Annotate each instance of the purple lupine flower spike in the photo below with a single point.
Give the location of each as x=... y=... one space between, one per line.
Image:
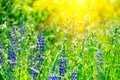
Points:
x=50 y=77
x=11 y=57
x=11 y=53
x=40 y=43
x=99 y=63
x=74 y=76
x=53 y=77
x=38 y=58
x=34 y=74
x=1 y=59
x=21 y=27
x=62 y=63
x=62 y=66
x=13 y=38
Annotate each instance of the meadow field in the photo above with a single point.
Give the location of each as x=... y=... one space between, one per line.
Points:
x=59 y=39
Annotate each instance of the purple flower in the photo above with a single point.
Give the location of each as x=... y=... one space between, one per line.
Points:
x=21 y=27
x=34 y=74
x=99 y=63
x=1 y=59
x=52 y=77
x=11 y=57
x=13 y=38
x=38 y=57
x=40 y=43
x=62 y=63
x=74 y=76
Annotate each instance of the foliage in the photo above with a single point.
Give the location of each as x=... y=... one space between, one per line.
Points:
x=59 y=39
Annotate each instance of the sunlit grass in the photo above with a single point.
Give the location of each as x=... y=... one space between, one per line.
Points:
x=86 y=31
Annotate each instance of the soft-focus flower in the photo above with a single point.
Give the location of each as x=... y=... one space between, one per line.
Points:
x=53 y=77
x=38 y=57
x=13 y=39
x=21 y=27
x=40 y=43
x=74 y=76
x=99 y=63
x=34 y=73
x=1 y=59
x=11 y=53
x=62 y=63
x=62 y=66
x=11 y=57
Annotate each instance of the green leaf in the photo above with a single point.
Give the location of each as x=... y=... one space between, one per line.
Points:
x=1 y=78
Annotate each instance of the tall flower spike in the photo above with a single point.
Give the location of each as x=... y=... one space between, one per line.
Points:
x=11 y=57
x=13 y=38
x=34 y=74
x=62 y=63
x=74 y=76
x=40 y=43
x=1 y=59
x=38 y=59
x=21 y=27
x=53 y=77
x=99 y=63
x=11 y=53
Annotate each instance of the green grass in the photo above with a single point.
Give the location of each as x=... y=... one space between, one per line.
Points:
x=80 y=48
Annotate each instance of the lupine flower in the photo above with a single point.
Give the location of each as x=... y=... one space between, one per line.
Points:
x=99 y=63
x=13 y=38
x=21 y=27
x=74 y=76
x=11 y=53
x=11 y=57
x=40 y=43
x=1 y=59
x=52 y=77
x=62 y=64
x=38 y=59
x=34 y=73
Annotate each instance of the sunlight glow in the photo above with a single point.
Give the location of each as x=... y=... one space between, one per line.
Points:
x=80 y=1
x=82 y=12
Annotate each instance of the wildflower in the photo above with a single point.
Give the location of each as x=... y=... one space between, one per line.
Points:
x=21 y=27
x=11 y=53
x=40 y=43
x=52 y=77
x=74 y=76
x=11 y=57
x=13 y=38
x=62 y=63
x=1 y=59
x=99 y=63
x=38 y=57
x=34 y=73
